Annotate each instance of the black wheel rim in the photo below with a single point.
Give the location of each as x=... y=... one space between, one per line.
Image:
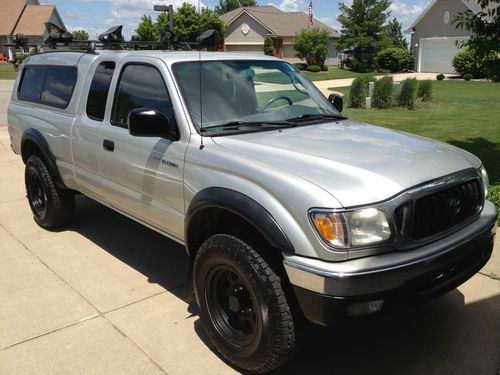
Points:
x=232 y=305
x=37 y=196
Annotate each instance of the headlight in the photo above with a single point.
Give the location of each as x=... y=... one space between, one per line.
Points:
x=352 y=228
x=486 y=180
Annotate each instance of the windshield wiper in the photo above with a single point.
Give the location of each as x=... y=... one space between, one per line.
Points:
x=238 y=125
x=315 y=116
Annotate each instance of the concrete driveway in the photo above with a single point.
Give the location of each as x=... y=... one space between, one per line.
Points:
x=104 y=296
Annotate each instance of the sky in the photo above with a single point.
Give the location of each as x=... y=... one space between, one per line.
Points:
x=96 y=16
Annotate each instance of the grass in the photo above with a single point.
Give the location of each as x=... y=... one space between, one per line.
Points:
x=333 y=73
x=7 y=71
x=337 y=73
x=464 y=114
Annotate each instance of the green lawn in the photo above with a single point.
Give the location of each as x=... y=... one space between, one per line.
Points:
x=464 y=114
x=336 y=73
x=7 y=71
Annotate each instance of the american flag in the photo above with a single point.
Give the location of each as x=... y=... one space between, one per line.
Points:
x=311 y=15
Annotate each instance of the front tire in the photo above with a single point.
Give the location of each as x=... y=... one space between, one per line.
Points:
x=52 y=207
x=242 y=305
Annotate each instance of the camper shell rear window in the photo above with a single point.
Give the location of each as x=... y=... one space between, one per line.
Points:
x=50 y=85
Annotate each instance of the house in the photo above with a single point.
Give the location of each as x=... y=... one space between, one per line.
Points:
x=26 y=17
x=434 y=37
x=248 y=27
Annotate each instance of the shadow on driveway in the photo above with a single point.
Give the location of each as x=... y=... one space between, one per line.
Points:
x=441 y=336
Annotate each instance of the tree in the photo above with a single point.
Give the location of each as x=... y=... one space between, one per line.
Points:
x=485 y=39
x=269 y=46
x=229 y=5
x=362 y=32
x=394 y=32
x=146 y=30
x=312 y=45
x=80 y=35
x=188 y=24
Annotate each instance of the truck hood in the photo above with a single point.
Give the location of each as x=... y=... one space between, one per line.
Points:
x=357 y=163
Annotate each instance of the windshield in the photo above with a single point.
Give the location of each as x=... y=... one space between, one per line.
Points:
x=249 y=94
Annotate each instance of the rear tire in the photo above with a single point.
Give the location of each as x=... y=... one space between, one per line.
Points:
x=242 y=305
x=52 y=207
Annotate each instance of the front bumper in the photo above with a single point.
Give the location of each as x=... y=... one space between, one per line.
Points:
x=325 y=290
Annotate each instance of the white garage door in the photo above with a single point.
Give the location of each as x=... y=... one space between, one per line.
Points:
x=436 y=55
x=253 y=49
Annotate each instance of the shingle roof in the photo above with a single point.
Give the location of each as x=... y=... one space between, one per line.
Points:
x=278 y=22
x=10 y=11
x=33 y=19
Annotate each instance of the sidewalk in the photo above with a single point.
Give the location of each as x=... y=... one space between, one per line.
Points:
x=346 y=82
x=104 y=296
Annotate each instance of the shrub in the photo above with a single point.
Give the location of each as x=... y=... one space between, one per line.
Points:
x=312 y=45
x=407 y=96
x=324 y=68
x=425 y=90
x=268 y=46
x=358 y=93
x=440 y=77
x=494 y=195
x=468 y=62
x=468 y=77
x=395 y=60
x=300 y=66
x=382 y=92
x=314 y=68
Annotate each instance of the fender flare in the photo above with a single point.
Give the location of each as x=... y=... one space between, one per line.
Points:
x=39 y=140
x=243 y=206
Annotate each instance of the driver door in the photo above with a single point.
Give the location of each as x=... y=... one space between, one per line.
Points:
x=143 y=176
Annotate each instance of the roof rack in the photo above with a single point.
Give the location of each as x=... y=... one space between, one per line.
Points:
x=112 y=39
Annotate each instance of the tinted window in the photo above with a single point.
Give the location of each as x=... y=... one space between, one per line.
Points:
x=51 y=85
x=98 y=93
x=140 y=86
x=59 y=84
x=32 y=83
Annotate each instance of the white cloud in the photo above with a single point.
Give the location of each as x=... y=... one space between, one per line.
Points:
x=292 y=5
x=405 y=14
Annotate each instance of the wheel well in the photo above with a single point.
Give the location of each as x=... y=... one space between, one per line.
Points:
x=29 y=148
x=212 y=220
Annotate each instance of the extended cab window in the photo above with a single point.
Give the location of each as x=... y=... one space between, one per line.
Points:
x=99 y=88
x=140 y=86
x=51 y=85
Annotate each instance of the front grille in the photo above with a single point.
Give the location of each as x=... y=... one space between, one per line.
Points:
x=442 y=210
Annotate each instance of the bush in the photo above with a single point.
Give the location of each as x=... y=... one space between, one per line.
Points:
x=312 y=45
x=324 y=68
x=382 y=93
x=300 y=66
x=395 y=60
x=314 y=68
x=425 y=90
x=268 y=46
x=440 y=77
x=358 y=93
x=468 y=77
x=494 y=195
x=408 y=94
x=468 y=62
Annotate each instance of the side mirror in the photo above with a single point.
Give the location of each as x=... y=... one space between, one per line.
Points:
x=146 y=122
x=337 y=102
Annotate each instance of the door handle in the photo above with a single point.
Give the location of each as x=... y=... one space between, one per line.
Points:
x=108 y=145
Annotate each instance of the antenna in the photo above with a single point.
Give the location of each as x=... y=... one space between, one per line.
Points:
x=202 y=146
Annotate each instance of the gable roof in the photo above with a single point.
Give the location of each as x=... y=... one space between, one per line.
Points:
x=278 y=23
x=472 y=5
x=33 y=19
x=11 y=9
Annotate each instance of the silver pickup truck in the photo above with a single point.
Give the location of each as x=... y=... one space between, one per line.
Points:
x=287 y=209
